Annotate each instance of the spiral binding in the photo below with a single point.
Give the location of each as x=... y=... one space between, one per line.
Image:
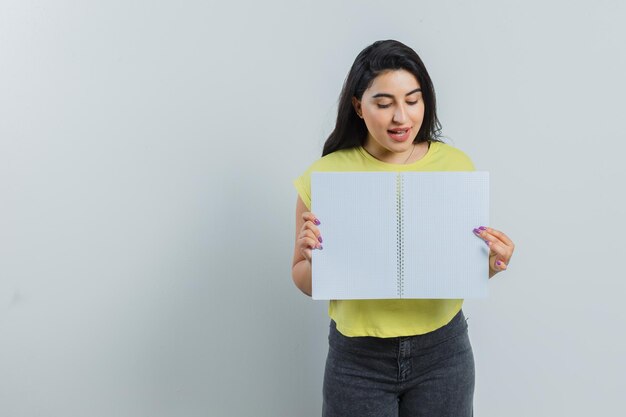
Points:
x=400 y=235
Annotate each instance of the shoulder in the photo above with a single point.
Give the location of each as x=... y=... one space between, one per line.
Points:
x=454 y=158
x=335 y=160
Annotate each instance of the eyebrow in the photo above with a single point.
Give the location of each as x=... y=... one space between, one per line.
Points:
x=390 y=96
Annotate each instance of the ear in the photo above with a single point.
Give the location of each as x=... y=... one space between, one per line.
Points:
x=357 y=106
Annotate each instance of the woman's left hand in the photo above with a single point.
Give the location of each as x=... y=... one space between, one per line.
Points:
x=500 y=248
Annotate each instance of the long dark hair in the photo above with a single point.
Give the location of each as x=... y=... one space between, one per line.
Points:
x=350 y=130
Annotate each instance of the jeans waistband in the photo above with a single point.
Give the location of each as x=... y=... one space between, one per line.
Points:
x=377 y=346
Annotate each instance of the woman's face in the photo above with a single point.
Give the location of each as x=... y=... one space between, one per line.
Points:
x=393 y=111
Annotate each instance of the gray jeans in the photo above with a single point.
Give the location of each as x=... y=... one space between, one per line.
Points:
x=429 y=375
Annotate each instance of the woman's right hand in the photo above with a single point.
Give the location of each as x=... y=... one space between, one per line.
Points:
x=309 y=237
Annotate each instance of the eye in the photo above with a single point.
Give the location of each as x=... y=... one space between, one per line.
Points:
x=384 y=106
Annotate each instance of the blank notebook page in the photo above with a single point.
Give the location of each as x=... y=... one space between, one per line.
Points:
x=358 y=219
x=443 y=257
x=400 y=234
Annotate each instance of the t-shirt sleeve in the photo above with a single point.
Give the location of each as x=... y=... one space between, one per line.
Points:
x=462 y=162
x=470 y=165
x=303 y=186
x=303 y=182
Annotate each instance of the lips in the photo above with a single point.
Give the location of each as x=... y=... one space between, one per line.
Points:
x=399 y=129
x=399 y=134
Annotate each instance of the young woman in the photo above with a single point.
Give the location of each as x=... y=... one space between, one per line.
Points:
x=392 y=357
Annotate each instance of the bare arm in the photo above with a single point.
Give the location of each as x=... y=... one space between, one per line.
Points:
x=307 y=238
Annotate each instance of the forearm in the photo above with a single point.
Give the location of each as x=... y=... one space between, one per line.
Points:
x=301 y=274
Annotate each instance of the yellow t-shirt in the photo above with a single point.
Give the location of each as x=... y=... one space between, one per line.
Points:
x=388 y=317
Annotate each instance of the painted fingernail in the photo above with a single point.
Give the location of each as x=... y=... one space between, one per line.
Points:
x=498 y=263
x=319 y=238
x=321 y=247
x=477 y=231
x=482 y=228
x=487 y=242
x=317 y=222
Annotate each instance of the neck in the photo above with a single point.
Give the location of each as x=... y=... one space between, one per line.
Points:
x=411 y=155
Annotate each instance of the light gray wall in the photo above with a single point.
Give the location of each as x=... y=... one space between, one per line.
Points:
x=147 y=212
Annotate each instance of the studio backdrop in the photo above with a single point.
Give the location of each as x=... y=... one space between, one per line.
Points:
x=147 y=212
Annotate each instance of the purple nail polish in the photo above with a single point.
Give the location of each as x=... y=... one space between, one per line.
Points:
x=317 y=222
x=482 y=228
x=320 y=239
x=477 y=231
x=498 y=263
x=487 y=242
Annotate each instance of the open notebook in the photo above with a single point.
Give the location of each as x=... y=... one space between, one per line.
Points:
x=400 y=234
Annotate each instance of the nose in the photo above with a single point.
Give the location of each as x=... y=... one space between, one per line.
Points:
x=400 y=115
